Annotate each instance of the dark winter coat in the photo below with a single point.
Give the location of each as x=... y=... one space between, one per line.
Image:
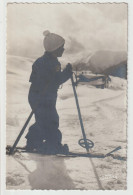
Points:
x=46 y=77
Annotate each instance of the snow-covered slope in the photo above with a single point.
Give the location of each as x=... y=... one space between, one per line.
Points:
x=104 y=117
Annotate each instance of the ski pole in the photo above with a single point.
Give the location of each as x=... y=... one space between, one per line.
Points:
x=85 y=143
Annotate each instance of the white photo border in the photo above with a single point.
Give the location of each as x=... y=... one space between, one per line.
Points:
x=3 y=101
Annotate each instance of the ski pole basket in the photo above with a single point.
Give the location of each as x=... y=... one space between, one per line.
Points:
x=89 y=143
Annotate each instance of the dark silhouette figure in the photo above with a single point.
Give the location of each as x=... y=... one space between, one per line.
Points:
x=46 y=77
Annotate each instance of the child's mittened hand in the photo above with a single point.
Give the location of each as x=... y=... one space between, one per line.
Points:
x=69 y=67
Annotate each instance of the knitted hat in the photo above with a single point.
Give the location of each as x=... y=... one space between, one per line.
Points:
x=52 y=41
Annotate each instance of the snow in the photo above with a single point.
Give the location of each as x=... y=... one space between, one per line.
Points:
x=104 y=117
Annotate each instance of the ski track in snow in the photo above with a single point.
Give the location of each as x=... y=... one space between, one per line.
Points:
x=104 y=117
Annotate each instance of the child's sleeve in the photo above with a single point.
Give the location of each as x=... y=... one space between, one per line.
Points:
x=63 y=76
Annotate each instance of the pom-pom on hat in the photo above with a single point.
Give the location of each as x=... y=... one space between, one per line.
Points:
x=52 y=41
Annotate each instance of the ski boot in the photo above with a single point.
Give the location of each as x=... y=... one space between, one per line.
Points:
x=62 y=149
x=53 y=149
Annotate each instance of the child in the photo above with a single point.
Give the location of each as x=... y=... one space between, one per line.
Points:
x=46 y=77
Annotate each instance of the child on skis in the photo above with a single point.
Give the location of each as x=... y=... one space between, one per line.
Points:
x=46 y=77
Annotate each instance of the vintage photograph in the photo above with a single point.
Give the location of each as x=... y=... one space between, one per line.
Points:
x=66 y=96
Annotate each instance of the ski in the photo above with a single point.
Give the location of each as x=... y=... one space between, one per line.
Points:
x=69 y=154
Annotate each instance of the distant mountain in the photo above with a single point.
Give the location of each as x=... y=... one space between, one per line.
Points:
x=105 y=62
x=104 y=59
x=119 y=70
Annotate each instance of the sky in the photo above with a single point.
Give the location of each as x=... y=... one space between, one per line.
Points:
x=85 y=27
